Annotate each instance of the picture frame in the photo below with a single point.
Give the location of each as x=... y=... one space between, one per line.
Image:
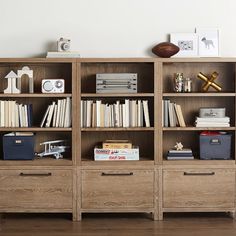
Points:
x=187 y=42
x=208 y=42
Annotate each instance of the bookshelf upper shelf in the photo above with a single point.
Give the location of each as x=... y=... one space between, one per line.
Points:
x=199 y=94
x=33 y=129
x=119 y=129
x=192 y=128
x=34 y=95
x=97 y=95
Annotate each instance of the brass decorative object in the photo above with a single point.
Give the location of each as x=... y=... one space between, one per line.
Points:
x=210 y=82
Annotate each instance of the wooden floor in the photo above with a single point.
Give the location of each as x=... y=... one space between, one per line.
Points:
x=117 y=225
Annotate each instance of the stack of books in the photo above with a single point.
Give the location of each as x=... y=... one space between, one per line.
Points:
x=116 y=150
x=172 y=114
x=58 y=114
x=130 y=113
x=212 y=122
x=63 y=54
x=184 y=154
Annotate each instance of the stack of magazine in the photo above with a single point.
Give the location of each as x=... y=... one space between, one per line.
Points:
x=184 y=154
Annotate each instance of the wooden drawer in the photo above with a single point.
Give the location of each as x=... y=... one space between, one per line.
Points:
x=198 y=188
x=35 y=189
x=117 y=189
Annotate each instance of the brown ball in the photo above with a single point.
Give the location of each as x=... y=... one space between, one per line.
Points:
x=165 y=49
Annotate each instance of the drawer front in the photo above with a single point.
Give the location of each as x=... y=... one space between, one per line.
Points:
x=117 y=189
x=198 y=188
x=35 y=189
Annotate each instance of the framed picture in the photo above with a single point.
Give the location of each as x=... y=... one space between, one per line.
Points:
x=208 y=42
x=187 y=42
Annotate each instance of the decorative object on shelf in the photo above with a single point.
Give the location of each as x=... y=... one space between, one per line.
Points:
x=183 y=154
x=26 y=71
x=63 y=45
x=212 y=117
x=116 y=83
x=187 y=85
x=208 y=41
x=215 y=145
x=179 y=146
x=187 y=43
x=210 y=81
x=11 y=83
x=53 y=148
x=165 y=49
x=120 y=144
x=53 y=86
x=178 y=82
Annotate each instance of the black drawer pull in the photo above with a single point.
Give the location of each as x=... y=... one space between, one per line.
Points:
x=117 y=174
x=36 y=174
x=207 y=173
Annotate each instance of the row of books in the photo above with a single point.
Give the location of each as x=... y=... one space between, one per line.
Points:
x=15 y=115
x=131 y=113
x=212 y=122
x=58 y=114
x=172 y=114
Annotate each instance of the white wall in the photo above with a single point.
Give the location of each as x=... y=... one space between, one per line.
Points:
x=109 y=28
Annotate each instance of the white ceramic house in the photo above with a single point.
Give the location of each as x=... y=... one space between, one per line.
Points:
x=11 y=88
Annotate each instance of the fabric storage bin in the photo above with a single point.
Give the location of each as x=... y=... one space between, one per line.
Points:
x=18 y=147
x=215 y=145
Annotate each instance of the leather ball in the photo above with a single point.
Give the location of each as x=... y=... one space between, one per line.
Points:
x=165 y=49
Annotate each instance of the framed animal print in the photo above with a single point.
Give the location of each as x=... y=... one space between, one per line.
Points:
x=208 y=42
x=187 y=43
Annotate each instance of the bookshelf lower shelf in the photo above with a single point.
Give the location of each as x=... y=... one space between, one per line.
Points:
x=193 y=128
x=198 y=162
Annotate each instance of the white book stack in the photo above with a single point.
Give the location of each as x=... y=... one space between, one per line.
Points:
x=130 y=113
x=58 y=114
x=212 y=122
x=63 y=54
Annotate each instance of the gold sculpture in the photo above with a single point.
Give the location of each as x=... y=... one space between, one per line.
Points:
x=210 y=82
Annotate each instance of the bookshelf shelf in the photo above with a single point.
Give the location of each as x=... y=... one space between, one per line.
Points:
x=196 y=128
x=35 y=95
x=34 y=129
x=117 y=129
x=198 y=162
x=118 y=95
x=211 y=94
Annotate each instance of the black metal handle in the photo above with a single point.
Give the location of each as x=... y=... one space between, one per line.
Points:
x=117 y=174
x=203 y=173
x=35 y=174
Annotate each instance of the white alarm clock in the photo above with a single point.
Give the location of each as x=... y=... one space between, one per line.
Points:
x=53 y=86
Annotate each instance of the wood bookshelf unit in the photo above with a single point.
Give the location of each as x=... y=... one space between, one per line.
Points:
x=78 y=184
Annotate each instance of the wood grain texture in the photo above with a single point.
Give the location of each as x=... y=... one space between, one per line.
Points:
x=117 y=189
x=35 y=189
x=193 y=188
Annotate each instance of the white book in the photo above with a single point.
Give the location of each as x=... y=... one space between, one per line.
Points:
x=146 y=113
x=89 y=113
x=62 y=109
x=171 y=115
x=9 y=113
x=58 y=112
x=139 y=113
x=94 y=117
x=26 y=116
x=133 y=113
x=112 y=116
x=63 y=54
x=117 y=118
x=50 y=115
x=81 y=113
x=69 y=122
x=102 y=115
x=44 y=117
x=20 y=115
x=13 y=114
x=2 y=113
x=213 y=125
x=54 y=116
x=123 y=116
x=23 y=115
x=120 y=115
x=17 y=115
x=63 y=112
x=107 y=115
x=166 y=113
x=215 y=119
x=98 y=112
x=127 y=115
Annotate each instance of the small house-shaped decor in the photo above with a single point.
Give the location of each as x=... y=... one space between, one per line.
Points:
x=11 y=87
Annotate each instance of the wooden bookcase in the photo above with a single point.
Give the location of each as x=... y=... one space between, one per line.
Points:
x=78 y=184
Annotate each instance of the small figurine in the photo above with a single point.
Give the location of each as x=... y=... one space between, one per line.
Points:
x=210 y=82
x=56 y=150
x=11 y=80
x=179 y=146
x=26 y=71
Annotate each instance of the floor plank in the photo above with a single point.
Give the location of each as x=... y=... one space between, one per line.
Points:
x=117 y=225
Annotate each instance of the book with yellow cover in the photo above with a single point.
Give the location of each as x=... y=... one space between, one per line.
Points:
x=119 y=144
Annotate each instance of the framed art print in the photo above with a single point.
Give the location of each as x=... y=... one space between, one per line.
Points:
x=187 y=43
x=208 y=42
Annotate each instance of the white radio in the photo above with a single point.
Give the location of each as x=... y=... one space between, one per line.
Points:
x=53 y=86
